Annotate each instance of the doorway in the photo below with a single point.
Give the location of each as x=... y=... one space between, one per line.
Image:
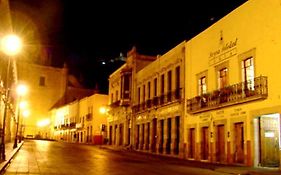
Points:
x=220 y=144
x=191 y=140
x=267 y=135
x=205 y=143
x=154 y=134
x=239 y=142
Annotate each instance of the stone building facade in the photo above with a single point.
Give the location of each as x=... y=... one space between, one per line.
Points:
x=218 y=93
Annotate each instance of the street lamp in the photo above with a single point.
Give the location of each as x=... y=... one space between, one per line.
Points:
x=25 y=114
x=21 y=91
x=10 y=45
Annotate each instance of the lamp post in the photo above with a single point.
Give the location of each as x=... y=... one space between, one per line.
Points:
x=25 y=114
x=21 y=91
x=10 y=45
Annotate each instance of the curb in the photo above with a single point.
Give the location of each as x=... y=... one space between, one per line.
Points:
x=9 y=157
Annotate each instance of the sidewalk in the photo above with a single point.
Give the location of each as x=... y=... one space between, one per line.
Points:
x=229 y=169
x=10 y=152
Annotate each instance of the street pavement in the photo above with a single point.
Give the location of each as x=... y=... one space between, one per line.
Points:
x=46 y=157
x=10 y=153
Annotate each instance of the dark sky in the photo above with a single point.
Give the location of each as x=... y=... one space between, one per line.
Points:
x=89 y=32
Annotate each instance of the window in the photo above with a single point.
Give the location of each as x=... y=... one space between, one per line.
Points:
x=139 y=95
x=178 y=77
x=202 y=85
x=155 y=87
x=169 y=95
x=116 y=95
x=162 y=84
x=111 y=98
x=202 y=81
x=248 y=72
x=222 y=71
x=246 y=61
x=143 y=93
x=177 y=94
x=222 y=80
x=148 y=90
x=125 y=88
x=169 y=81
x=42 y=80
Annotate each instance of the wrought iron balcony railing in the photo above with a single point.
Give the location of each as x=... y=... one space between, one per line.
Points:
x=162 y=100
x=115 y=104
x=235 y=94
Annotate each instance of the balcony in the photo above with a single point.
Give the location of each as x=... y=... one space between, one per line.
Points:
x=243 y=92
x=79 y=125
x=115 y=104
x=158 y=101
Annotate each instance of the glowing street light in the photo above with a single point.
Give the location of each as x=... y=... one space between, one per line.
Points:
x=43 y=123
x=21 y=91
x=103 y=110
x=11 y=45
x=25 y=114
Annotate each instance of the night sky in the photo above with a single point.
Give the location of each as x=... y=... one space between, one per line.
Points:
x=86 y=33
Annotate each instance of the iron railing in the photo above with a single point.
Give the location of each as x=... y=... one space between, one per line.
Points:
x=158 y=101
x=238 y=93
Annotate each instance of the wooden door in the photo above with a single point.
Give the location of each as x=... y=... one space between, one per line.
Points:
x=269 y=141
x=121 y=133
x=161 y=139
x=239 y=142
x=220 y=143
x=169 y=135
x=205 y=143
x=154 y=134
x=137 y=136
x=191 y=143
x=177 y=139
x=110 y=135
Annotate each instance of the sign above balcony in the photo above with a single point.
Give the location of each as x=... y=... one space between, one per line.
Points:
x=226 y=51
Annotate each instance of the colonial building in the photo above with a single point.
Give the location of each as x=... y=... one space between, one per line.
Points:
x=228 y=78
x=158 y=105
x=81 y=121
x=121 y=98
x=46 y=85
x=233 y=88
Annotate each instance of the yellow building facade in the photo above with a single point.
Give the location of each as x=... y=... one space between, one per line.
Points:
x=213 y=98
x=122 y=88
x=233 y=88
x=158 y=106
x=46 y=85
x=81 y=121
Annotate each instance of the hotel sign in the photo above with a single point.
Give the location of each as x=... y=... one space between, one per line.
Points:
x=226 y=51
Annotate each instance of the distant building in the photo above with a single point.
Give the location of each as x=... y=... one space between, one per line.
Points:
x=48 y=87
x=81 y=121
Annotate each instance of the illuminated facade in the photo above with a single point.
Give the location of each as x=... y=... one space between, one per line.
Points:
x=121 y=99
x=81 y=121
x=158 y=106
x=46 y=85
x=233 y=88
x=214 y=98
